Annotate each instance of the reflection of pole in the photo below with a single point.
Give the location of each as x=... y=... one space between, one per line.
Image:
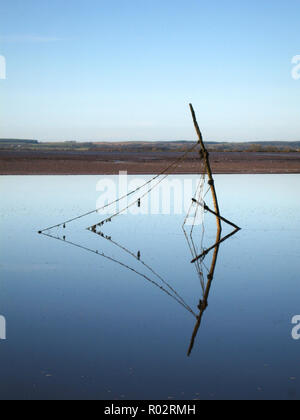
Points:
x=208 y=168
x=203 y=304
x=219 y=241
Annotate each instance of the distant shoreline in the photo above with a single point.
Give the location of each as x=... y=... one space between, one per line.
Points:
x=107 y=163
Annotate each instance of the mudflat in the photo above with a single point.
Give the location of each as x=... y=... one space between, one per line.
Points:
x=112 y=162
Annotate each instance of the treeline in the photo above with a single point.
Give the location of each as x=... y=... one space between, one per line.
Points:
x=18 y=141
x=267 y=146
x=147 y=147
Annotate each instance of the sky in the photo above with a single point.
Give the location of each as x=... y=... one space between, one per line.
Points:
x=90 y=70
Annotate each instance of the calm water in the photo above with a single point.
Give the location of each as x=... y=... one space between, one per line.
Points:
x=81 y=325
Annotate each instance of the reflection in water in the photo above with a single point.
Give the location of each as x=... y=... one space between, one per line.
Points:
x=199 y=264
x=171 y=292
x=156 y=279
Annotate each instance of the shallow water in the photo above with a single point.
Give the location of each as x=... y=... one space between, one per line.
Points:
x=82 y=325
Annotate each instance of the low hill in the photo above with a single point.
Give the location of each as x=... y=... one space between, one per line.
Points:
x=147 y=146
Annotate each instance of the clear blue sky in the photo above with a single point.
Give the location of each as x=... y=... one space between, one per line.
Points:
x=127 y=69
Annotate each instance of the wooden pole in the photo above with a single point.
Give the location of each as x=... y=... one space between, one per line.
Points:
x=208 y=167
x=215 y=214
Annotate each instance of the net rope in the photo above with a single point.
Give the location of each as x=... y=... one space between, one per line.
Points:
x=174 y=164
x=196 y=211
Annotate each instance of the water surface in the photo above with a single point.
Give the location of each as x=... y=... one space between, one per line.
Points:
x=81 y=325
